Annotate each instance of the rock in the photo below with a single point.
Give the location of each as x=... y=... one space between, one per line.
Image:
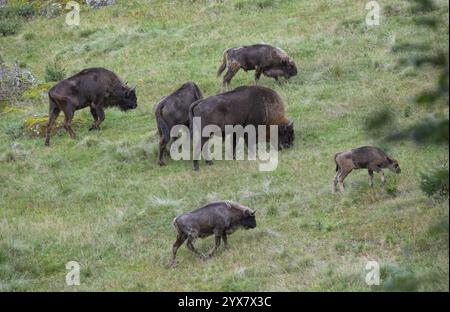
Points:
x=15 y=80
x=52 y=10
x=95 y=4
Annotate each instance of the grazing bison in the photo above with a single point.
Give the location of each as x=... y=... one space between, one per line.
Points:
x=97 y=88
x=366 y=157
x=219 y=218
x=263 y=58
x=174 y=110
x=249 y=105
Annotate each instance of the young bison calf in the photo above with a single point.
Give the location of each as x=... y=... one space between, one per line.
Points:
x=219 y=218
x=366 y=157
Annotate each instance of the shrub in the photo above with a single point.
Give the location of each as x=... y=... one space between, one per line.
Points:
x=24 y=11
x=29 y=36
x=54 y=72
x=262 y=4
x=259 y=4
x=9 y=26
x=435 y=183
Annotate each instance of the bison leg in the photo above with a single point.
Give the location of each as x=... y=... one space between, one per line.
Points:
x=335 y=182
x=197 y=153
x=383 y=179
x=68 y=114
x=208 y=159
x=341 y=178
x=99 y=116
x=52 y=115
x=258 y=73
x=162 y=149
x=232 y=70
x=180 y=240
x=190 y=245
x=95 y=116
x=370 y=178
x=217 y=238
x=225 y=240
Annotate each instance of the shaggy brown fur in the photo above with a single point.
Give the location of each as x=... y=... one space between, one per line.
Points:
x=218 y=219
x=367 y=157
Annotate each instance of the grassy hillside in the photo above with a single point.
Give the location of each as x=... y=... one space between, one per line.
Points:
x=103 y=201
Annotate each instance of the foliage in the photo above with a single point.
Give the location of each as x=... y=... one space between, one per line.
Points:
x=9 y=26
x=435 y=182
x=426 y=130
x=54 y=72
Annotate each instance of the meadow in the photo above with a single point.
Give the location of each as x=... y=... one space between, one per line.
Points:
x=102 y=200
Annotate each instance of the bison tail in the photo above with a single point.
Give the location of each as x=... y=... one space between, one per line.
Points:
x=174 y=222
x=198 y=93
x=223 y=65
x=335 y=161
x=163 y=128
x=191 y=117
x=177 y=227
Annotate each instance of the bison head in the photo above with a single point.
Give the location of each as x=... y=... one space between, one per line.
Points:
x=287 y=63
x=126 y=98
x=248 y=220
x=289 y=68
x=393 y=165
x=286 y=135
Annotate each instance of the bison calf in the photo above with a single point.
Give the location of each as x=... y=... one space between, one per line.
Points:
x=219 y=218
x=371 y=158
x=97 y=88
x=263 y=58
x=174 y=110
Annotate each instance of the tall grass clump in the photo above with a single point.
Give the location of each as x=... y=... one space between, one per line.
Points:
x=54 y=72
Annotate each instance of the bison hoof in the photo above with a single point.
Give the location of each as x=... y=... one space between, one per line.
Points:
x=162 y=164
x=94 y=128
x=209 y=162
x=195 y=168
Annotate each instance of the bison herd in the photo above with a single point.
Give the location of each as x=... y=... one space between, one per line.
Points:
x=99 y=88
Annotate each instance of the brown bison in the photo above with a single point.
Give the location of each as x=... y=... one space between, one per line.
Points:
x=174 y=110
x=218 y=219
x=263 y=58
x=248 y=105
x=97 y=88
x=366 y=157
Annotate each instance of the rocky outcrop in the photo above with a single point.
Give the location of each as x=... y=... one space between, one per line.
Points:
x=14 y=80
x=99 y=3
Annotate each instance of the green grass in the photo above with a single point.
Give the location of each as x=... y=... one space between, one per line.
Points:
x=103 y=201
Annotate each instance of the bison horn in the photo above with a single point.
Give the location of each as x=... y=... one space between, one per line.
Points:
x=290 y=124
x=253 y=213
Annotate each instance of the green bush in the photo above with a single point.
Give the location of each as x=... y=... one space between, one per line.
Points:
x=262 y=4
x=435 y=183
x=24 y=11
x=29 y=36
x=9 y=26
x=259 y=4
x=54 y=72
x=12 y=16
